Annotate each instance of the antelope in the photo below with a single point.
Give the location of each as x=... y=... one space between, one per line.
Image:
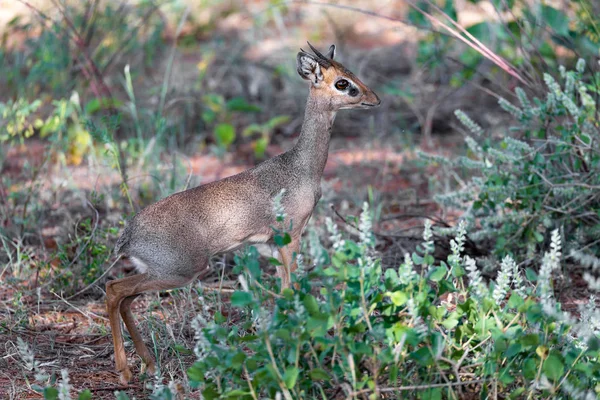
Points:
x=171 y=242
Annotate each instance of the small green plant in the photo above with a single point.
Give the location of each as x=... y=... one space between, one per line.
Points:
x=351 y=329
x=219 y=113
x=16 y=124
x=265 y=132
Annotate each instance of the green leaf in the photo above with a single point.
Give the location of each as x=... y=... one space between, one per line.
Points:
x=432 y=394
x=450 y=323
x=50 y=393
x=529 y=369
x=594 y=344
x=85 y=395
x=104 y=103
x=515 y=394
x=284 y=240
x=283 y=334
x=240 y=104
x=531 y=275
x=428 y=259
x=417 y=259
x=195 y=373
x=251 y=129
x=422 y=356
x=237 y=393
x=398 y=297
x=505 y=376
x=276 y=121
x=557 y=20
x=438 y=274
x=317 y=326
x=290 y=376
x=210 y=392
x=208 y=116
x=274 y=261
x=224 y=134
x=254 y=267
x=513 y=350
x=391 y=277
x=531 y=339
x=288 y=294
x=182 y=349
x=585 y=138
x=553 y=366
x=260 y=146
x=219 y=319
x=318 y=374
x=238 y=359
x=121 y=396
x=311 y=305
x=241 y=299
x=515 y=301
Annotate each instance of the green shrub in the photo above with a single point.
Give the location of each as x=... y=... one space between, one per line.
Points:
x=541 y=177
x=353 y=330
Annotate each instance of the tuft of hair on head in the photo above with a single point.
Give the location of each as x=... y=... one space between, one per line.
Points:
x=323 y=60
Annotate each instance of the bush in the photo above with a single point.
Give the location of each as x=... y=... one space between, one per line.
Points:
x=543 y=177
x=353 y=330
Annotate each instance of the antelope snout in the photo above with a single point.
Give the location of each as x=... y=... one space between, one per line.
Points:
x=370 y=99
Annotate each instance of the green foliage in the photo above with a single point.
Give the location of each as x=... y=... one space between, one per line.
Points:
x=63 y=124
x=264 y=131
x=83 y=258
x=15 y=123
x=543 y=177
x=220 y=114
x=350 y=327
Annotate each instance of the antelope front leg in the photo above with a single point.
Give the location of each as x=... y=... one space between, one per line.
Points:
x=288 y=259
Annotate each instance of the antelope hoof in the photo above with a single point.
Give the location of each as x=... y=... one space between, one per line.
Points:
x=150 y=369
x=125 y=376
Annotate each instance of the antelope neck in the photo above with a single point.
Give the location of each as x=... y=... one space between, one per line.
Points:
x=312 y=148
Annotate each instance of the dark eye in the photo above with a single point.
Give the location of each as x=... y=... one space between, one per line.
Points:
x=342 y=84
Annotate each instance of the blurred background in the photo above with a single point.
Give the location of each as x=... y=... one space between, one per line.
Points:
x=108 y=106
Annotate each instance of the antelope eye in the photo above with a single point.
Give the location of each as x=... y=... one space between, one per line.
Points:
x=342 y=84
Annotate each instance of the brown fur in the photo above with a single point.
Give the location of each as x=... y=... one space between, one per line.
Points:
x=172 y=241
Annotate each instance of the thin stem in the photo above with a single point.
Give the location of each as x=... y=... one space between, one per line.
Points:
x=286 y=392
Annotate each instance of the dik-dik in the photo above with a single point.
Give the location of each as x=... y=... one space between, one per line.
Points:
x=171 y=242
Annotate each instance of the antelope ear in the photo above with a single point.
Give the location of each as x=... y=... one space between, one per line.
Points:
x=331 y=52
x=309 y=68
